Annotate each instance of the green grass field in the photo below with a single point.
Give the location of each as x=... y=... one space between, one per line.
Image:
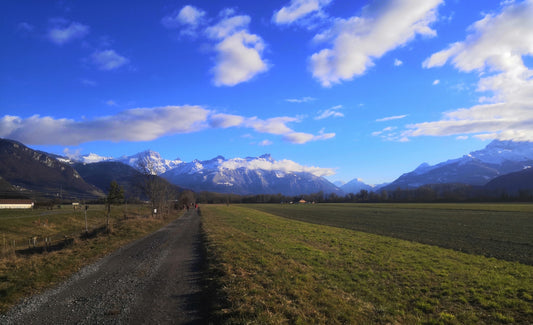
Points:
x=24 y=274
x=266 y=269
x=504 y=231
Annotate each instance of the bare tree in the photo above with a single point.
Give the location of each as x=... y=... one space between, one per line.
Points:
x=186 y=198
x=159 y=191
x=115 y=196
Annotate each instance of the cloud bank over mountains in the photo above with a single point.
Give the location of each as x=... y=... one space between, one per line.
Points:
x=144 y=124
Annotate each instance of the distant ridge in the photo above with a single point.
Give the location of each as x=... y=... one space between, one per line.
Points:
x=477 y=168
x=513 y=183
x=36 y=173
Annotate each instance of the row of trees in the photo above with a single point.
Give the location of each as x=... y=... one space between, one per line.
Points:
x=436 y=193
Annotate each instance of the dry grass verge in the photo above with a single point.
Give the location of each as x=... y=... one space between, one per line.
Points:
x=23 y=275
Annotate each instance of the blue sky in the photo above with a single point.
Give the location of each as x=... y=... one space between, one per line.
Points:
x=360 y=89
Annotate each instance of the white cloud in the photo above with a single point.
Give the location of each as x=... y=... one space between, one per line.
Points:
x=390 y=118
x=265 y=143
x=238 y=51
x=494 y=49
x=188 y=15
x=503 y=121
x=298 y=9
x=61 y=33
x=300 y=100
x=397 y=62
x=298 y=137
x=436 y=82
x=356 y=41
x=278 y=126
x=140 y=124
x=189 y=18
x=228 y=26
x=330 y=112
x=238 y=59
x=108 y=60
x=143 y=124
x=285 y=165
x=225 y=120
x=301 y=137
x=275 y=125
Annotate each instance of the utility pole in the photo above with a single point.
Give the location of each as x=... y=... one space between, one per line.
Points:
x=86 y=229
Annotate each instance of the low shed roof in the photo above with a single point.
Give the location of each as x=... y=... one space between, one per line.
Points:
x=15 y=201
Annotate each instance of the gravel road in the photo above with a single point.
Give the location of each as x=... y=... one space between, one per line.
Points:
x=155 y=280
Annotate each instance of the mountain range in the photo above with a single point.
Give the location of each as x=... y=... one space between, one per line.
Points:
x=477 y=168
x=27 y=172
x=501 y=165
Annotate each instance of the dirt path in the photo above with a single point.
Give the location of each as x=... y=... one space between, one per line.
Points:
x=155 y=280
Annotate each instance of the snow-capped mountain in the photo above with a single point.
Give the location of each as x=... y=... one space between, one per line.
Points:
x=150 y=160
x=477 y=168
x=251 y=175
x=355 y=186
x=84 y=159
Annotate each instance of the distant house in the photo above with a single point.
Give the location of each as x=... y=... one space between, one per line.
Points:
x=16 y=204
x=302 y=201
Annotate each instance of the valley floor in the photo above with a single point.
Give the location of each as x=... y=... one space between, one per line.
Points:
x=269 y=269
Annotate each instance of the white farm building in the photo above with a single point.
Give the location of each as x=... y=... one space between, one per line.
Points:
x=16 y=204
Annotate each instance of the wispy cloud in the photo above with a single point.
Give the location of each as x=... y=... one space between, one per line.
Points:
x=436 y=82
x=108 y=60
x=330 y=112
x=356 y=41
x=297 y=9
x=265 y=143
x=63 y=32
x=111 y=102
x=24 y=26
x=300 y=100
x=391 y=133
x=397 y=62
x=301 y=138
x=88 y=82
x=144 y=124
x=390 y=118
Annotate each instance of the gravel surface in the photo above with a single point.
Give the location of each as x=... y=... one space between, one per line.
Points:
x=155 y=280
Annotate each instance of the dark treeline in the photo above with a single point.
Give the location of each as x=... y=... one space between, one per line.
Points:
x=427 y=193
x=423 y=194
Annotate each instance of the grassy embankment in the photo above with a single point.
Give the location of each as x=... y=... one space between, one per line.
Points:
x=27 y=273
x=269 y=269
